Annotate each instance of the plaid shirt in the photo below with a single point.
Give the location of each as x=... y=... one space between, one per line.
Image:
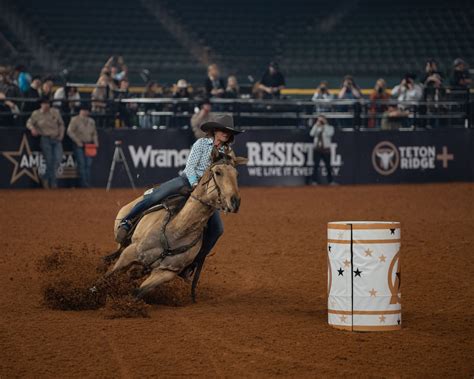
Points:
x=199 y=159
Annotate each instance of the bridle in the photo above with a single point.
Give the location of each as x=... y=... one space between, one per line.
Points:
x=212 y=177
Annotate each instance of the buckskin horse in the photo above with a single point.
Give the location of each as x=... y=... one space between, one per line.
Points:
x=162 y=243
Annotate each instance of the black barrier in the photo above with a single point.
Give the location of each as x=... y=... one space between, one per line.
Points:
x=276 y=157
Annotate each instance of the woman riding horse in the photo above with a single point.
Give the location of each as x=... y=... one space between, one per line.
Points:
x=220 y=132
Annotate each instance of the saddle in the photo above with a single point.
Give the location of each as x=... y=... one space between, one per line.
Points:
x=173 y=204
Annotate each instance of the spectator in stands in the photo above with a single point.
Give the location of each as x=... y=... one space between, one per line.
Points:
x=201 y=117
x=34 y=93
x=126 y=111
x=232 y=90
x=394 y=118
x=23 y=78
x=378 y=106
x=181 y=89
x=431 y=68
x=460 y=78
x=322 y=95
x=349 y=89
x=102 y=93
x=215 y=86
x=9 y=111
x=407 y=90
x=322 y=134
x=272 y=82
x=433 y=93
x=47 y=88
x=67 y=99
x=47 y=124
x=116 y=68
x=7 y=83
x=83 y=133
x=152 y=91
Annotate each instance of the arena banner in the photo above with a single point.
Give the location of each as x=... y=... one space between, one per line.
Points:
x=277 y=157
x=414 y=156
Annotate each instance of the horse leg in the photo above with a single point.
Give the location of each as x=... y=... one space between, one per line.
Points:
x=157 y=277
x=113 y=256
x=128 y=256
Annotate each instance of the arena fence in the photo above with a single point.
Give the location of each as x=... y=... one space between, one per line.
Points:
x=121 y=111
x=276 y=157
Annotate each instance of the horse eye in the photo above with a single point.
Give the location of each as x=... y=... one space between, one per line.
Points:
x=218 y=173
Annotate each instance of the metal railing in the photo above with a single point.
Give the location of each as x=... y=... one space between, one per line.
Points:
x=361 y=114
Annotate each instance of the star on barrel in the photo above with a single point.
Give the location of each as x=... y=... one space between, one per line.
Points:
x=392 y=232
x=343 y=318
x=373 y=292
x=368 y=253
x=357 y=272
x=382 y=258
x=382 y=319
x=347 y=263
x=340 y=272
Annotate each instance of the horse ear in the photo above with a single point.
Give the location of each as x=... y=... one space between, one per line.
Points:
x=240 y=160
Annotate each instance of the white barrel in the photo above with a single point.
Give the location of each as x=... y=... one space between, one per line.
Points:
x=364 y=275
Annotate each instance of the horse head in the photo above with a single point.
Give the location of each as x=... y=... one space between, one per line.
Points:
x=219 y=183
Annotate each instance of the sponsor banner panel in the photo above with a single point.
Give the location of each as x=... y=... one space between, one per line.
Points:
x=276 y=157
x=286 y=157
x=416 y=156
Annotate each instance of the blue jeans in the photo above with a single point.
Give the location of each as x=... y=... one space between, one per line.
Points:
x=83 y=166
x=52 y=150
x=215 y=227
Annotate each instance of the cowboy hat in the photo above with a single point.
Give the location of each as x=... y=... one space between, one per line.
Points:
x=222 y=122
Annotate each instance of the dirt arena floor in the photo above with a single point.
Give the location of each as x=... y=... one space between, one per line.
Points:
x=261 y=309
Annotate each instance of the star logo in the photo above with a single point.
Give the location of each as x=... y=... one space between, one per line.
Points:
x=340 y=272
x=343 y=318
x=368 y=253
x=347 y=263
x=382 y=319
x=20 y=160
x=373 y=293
x=357 y=273
x=382 y=258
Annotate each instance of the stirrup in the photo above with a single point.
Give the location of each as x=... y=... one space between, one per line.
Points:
x=122 y=231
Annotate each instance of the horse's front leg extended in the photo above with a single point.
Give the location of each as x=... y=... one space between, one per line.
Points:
x=158 y=276
x=128 y=256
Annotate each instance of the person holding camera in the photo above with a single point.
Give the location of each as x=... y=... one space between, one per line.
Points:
x=322 y=95
x=322 y=134
x=407 y=90
x=349 y=89
x=378 y=104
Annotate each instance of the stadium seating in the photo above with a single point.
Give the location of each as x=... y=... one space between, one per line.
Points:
x=310 y=39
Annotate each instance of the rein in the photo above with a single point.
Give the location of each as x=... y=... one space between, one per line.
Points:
x=217 y=206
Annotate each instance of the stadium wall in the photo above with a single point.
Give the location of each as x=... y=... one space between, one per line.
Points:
x=277 y=157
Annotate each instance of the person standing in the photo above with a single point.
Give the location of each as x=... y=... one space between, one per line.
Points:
x=322 y=134
x=200 y=118
x=272 y=82
x=48 y=124
x=83 y=133
x=214 y=84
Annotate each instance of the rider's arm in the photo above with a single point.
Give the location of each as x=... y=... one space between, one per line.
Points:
x=193 y=160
